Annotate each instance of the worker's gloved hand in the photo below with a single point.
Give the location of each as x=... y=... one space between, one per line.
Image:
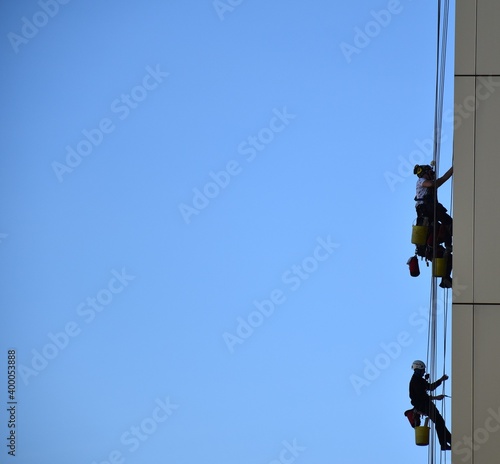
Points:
x=445 y=377
x=439 y=397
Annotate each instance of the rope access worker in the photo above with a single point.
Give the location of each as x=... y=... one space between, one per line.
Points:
x=425 y=199
x=427 y=186
x=422 y=401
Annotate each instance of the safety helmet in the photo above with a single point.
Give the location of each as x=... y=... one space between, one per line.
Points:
x=421 y=169
x=418 y=365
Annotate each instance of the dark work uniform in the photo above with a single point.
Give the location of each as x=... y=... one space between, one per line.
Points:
x=422 y=403
x=425 y=208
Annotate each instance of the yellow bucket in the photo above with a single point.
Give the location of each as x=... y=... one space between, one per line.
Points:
x=439 y=267
x=422 y=435
x=419 y=235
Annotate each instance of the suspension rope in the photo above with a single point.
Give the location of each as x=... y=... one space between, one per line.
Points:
x=432 y=344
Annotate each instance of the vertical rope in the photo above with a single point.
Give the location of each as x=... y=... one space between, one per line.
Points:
x=445 y=341
x=432 y=346
x=436 y=152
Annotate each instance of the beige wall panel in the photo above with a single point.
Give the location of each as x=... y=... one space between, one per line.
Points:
x=475 y=326
x=462 y=382
x=487 y=193
x=488 y=37
x=486 y=384
x=463 y=191
x=465 y=39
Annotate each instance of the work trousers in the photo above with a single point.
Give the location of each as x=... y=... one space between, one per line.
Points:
x=444 y=435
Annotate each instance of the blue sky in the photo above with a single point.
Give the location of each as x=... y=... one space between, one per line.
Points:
x=205 y=221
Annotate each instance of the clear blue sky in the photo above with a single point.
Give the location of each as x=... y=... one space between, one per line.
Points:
x=205 y=221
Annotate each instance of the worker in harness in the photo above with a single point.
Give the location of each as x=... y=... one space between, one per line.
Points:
x=427 y=186
x=422 y=402
x=427 y=206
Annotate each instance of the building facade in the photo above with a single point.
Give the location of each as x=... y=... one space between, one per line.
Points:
x=476 y=247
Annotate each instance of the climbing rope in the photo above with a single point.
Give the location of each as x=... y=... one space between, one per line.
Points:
x=432 y=345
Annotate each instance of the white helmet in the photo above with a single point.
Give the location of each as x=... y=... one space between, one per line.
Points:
x=418 y=365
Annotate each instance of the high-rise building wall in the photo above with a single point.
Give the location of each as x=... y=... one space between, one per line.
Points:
x=476 y=247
